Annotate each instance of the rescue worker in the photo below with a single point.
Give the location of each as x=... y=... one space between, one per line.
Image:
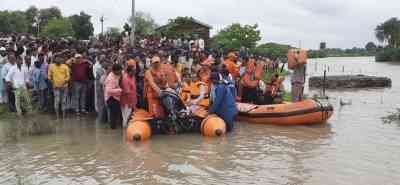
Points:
x=230 y=63
x=223 y=101
x=250 y=81
x=185 y=92
x=172 y=76
x=199 y=90
x=154 y=81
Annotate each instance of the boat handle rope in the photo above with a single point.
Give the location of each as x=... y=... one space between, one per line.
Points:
x=324 y=110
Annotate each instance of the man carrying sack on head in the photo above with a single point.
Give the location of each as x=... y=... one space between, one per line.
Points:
x=297 y=61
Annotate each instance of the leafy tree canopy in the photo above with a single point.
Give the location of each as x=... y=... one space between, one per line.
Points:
x=237 y=36
x=145 y=25
x=47 y=14
x=13 y=21
x=389 y=32
x=272 y=50
x=82 y=26
x=370 y=46
x=58 y=28
x=113 y=34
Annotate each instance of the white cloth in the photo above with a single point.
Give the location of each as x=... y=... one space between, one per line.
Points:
x=18 y=77
x=202 y=44
x=3 y=60
x=4 y=71
x=126 y=112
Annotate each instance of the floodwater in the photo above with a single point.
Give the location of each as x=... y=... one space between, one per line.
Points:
x=354 y=147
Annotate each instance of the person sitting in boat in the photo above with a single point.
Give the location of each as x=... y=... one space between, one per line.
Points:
x=223 y=102
x=230 y=63
x=171 y=74
x=273 y=93
x=154 y=81
x=250 y=81
x=199 y=90
x=187 y=81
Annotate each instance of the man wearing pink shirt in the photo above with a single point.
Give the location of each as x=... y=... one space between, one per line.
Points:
x=112 y=94
x=128 y=98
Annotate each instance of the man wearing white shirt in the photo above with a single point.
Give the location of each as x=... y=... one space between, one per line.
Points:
x=3 y=61
x=10 y=98
x=18 y=77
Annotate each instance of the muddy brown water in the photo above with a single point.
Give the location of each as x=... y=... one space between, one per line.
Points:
x=354 y=147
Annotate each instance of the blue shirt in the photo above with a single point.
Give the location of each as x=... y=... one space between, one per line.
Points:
x=38 y=79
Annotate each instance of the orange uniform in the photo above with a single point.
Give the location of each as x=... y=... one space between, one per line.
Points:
x=232 y=68
x=171 y=75
x=253 y=74
x=154 y=81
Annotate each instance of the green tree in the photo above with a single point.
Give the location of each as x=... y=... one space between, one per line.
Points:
x=82 y=26
x=236 y=36
x=113 y=34
x=389 y=31
x=31 y=13
x=127 y=28
x=370 y=46
x=47 y=14
x=58 y=28
x=272 y=50
x=144 y=24
x=13 y=21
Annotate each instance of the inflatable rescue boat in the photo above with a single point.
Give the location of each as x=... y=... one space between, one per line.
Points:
x=306 y=112
x=143 y=125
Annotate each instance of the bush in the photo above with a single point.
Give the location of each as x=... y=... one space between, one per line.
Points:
x=317 y=54
x=388 y=55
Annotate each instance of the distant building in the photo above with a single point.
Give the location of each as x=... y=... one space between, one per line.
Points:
x=322 y=45
x=191 y=28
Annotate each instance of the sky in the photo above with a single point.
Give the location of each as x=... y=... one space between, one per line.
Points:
x=305 y=23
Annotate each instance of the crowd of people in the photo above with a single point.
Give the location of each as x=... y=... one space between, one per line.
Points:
x=113 y=79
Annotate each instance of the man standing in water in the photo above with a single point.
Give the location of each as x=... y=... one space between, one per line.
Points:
x=3 y=61
x=223 y=101
x=154 y=81
x=18 y=78
x=59 y=76
x=4 y=72
x=298 y=76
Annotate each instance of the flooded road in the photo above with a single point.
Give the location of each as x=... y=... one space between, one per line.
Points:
x=355 y=147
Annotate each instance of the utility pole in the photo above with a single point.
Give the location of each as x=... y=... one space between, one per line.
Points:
x=102 y=24
x=132 y=37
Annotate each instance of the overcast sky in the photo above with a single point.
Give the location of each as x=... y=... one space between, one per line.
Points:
x=341 y=23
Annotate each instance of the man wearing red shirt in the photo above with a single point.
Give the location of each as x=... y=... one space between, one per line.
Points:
x=80 y=78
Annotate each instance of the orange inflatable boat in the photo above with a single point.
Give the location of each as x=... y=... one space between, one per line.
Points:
x=306 y=112
x=143 y=125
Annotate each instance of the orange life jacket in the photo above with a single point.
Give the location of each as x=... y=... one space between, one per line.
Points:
x=253 y=74
x=232 y=68
x=154 y=104
x=195 y=93
x=185 y=93
x=170 y=74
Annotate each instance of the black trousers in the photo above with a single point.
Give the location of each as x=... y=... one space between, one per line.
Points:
x=115 y=113
x=249 y=95
x=11 y=100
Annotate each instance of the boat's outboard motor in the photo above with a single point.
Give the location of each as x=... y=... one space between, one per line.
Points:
x=178 y=118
